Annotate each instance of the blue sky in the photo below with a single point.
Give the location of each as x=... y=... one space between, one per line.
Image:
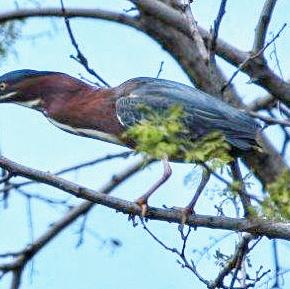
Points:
x=117 y=53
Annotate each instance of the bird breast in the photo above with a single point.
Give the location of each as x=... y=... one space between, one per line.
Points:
x=91 y=115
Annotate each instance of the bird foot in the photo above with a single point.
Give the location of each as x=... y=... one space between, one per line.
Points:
x=185 y=214
x=142 y=203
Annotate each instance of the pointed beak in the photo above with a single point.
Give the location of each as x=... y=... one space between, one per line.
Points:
x=7 y=96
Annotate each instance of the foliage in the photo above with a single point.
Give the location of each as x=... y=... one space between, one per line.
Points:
x=9 y=32
x=277 y=205
x=163 y=133
x=212 y=147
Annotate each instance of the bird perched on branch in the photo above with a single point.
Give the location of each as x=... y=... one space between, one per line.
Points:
x=105 y=113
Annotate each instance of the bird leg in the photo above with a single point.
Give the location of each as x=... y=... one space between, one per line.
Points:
x=189 y=209
x=142 y=201
x=242 y=192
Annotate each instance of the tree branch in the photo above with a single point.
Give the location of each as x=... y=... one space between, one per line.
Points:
x=269 y=120
x=80 y=56
x=241 y=250
x=255 y=69
x=263 y=24
x=262 y=74
x=20 y=14
x=258 y=227
x=253 y=56
x=216 y=26
x=262 y=103
x=24 y=256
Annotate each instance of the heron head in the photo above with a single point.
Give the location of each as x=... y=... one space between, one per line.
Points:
x=34 y=89
x=25 y=87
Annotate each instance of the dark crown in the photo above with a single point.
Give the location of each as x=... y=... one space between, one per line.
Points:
x=19 y=75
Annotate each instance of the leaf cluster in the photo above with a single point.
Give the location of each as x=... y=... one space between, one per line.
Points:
x=9 y=33
x=277 y=205
x=163 y=133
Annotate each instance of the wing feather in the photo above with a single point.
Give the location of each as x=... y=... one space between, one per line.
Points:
x=203 y=112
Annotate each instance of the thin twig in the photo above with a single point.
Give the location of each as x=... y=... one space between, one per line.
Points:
x=80 y=56
x=183 y=260
x=160 y=69
x=81 y=230
x=241 y=250
x=286 y=135
x=276 y=264
x=18 y=264
x=73 y=168
x=269 y=120
x=216 y=26
x=252 y=57
x=47 y=200
x=276 y=58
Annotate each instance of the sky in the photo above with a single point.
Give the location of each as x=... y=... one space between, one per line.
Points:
x=117 y=53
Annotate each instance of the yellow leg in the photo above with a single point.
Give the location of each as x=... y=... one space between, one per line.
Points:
x=143 y=200
x=189 y=209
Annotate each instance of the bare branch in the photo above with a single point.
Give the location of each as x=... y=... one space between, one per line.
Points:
x=23 y=257
x=20 y=14
x=262 y=74
x=234 y=262
x=160 y=69
x=198 y=41
x=262 y=103
x=181 y=253
x=269 y=120
x=263 y=24
x=253 y=56
x=216 y=26
x=259 y=227
x=72 y=168
x=80 y=56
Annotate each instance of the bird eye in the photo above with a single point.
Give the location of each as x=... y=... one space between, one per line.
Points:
x=3 y=86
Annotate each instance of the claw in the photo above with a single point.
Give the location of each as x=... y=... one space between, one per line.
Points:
x=142 y=203
x=185 y=214
x=144 y=208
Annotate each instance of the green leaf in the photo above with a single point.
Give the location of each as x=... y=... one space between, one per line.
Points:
x=163 y=133
x=277 y=205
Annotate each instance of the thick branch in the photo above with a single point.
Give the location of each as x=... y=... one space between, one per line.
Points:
x=263 y=24
x=262 y=103
x=258 y=227
x=211 y=80
x=255 y=69
x=78 y=12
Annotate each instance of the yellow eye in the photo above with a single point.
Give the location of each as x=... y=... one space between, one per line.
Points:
x=3 y=86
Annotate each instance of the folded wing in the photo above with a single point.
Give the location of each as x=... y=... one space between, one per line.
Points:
x=203 y=113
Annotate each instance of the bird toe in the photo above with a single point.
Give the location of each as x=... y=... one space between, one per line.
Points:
x=142 y=203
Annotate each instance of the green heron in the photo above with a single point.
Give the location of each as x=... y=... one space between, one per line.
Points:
x=105 y=113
